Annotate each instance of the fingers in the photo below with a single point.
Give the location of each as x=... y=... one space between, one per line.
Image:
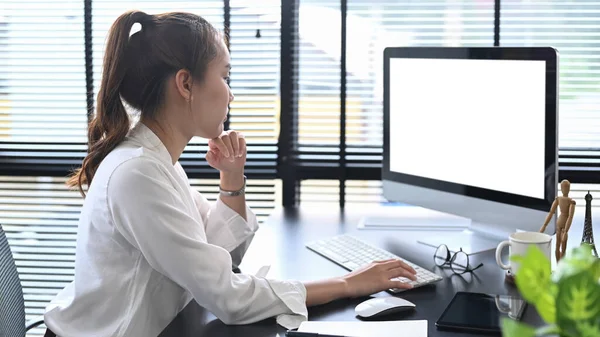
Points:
x=211 y=157
x=384 y=261
x=242 y=142
x=400 y=284
x=235 y=145
x=395 y=263
x=401 y=272
x=231 y=144
x=220 y=144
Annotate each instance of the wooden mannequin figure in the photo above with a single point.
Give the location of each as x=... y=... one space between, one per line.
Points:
x=566 y=207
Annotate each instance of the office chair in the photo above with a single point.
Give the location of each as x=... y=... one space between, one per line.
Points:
x=12 y=304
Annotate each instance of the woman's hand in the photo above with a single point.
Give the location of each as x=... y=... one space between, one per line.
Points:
x=377 y=277
x=227 y=153
x=365 y=281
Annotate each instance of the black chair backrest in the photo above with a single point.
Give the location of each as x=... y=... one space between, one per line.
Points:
x=12 y=306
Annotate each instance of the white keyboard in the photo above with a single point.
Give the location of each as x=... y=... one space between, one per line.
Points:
x=352 y=253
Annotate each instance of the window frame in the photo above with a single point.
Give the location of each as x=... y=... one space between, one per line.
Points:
x=576 y=165
x=288 y=160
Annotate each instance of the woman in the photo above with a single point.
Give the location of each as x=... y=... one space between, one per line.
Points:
x=147 y=242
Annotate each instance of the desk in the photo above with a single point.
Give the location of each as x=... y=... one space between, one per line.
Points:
x=281 y=242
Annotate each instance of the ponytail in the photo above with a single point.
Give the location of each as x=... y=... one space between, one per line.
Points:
x=111 y=122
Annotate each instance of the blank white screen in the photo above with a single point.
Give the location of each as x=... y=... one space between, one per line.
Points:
x=472 y=122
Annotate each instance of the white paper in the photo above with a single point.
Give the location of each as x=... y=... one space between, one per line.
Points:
x=415 y=328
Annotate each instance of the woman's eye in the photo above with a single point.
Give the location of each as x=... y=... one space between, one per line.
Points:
x=226 y=78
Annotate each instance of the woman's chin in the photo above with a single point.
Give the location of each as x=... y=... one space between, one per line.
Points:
x=218 y=131
x=211 y=134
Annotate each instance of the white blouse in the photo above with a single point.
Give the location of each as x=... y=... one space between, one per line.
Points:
x=148 y=244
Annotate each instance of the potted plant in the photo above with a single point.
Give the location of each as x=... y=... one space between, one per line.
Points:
x=568 y=300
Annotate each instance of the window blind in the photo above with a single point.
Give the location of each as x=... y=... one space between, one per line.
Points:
x=362 y=193
x=573 y=27
x=319 y=78
x=40 y=217
x=42 y=133
x=42 y=86
x=255 y=49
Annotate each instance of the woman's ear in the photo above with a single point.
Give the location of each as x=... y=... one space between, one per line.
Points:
x=183 y=83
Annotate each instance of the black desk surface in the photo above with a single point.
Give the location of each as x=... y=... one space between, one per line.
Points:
x=281 y=243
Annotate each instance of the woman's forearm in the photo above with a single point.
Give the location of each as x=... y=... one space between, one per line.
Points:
x=324 y=291
x=369 y=279
x=233 y=182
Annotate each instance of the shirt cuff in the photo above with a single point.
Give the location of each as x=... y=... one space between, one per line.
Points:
x=293 y=295
x=235 y=230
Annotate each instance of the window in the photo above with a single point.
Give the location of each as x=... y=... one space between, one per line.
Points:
x=572 y=28
x=319 y=78
x=42 y=85
x=42 y=133
x=339 y=113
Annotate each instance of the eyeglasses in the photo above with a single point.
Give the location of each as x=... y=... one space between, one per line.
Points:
x=459 y=261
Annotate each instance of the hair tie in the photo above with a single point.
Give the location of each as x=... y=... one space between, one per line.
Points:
x=146 y=21
x=142 y=22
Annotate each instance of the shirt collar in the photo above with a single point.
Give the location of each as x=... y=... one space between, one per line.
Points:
x=148 y=139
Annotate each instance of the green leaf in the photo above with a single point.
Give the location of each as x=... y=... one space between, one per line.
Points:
x=512 y=328
x=587 y=329
x=534 y=283
x=595 y=271
x=577 y=259
x=549 y=330
x=578 y=302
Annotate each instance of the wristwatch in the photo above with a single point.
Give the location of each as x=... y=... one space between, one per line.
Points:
x=234 y=193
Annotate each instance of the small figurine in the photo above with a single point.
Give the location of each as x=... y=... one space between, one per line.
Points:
x=588 y=235
x=566 y=207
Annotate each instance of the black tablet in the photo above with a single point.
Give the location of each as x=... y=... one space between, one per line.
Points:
x=480 y=313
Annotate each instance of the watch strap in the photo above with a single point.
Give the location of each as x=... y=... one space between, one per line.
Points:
x=233 y=193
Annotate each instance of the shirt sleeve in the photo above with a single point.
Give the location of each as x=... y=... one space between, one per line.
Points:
x=150 y=213
x=225 y=227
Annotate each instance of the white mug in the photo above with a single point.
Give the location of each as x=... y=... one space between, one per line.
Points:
x=518 y=244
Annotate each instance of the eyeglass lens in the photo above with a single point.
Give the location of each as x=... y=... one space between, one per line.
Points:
x=442 y=255
x=459 y=262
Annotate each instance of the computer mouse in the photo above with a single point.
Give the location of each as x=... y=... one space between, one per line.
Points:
x=380 y=306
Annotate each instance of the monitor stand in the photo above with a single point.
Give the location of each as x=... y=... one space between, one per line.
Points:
x=406 y=217
x=441 y=228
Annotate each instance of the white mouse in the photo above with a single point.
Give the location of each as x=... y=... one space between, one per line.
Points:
x=380 y=306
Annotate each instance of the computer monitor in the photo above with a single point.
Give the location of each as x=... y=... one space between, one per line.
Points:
x=472 y=132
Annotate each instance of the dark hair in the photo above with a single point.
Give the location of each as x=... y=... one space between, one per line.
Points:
x=136 y=69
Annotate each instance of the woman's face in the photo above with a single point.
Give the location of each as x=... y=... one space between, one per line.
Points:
x=211 y=97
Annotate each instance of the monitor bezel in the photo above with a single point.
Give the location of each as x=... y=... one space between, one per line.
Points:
x=547 y=54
